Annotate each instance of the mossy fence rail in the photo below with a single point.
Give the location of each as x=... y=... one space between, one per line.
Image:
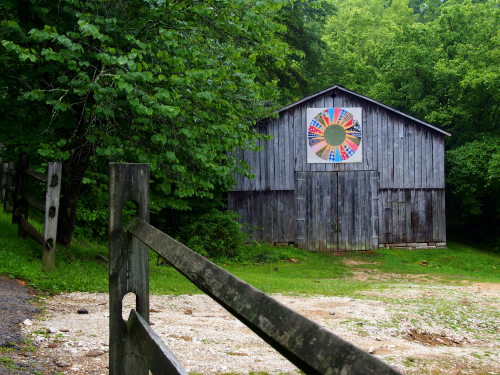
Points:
x=17 y=197
x=135 y=349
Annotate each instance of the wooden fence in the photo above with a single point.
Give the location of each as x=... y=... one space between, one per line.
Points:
x=8 y=186
x=135 y=348
x=17 y=199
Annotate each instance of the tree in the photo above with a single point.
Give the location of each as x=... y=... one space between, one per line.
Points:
x=442 y=70
x=474 y=189
x=301 y=75
x=171 y=83
x=437 y=60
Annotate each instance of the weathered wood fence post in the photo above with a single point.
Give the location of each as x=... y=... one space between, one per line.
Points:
x=52 y=196
x=8 y=186
x=128 y=264
x=3 y=187
x=20 y=210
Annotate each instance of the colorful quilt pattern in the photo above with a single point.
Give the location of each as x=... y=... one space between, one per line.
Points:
x=334 y=135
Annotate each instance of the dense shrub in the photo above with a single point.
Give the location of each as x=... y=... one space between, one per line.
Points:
x=215 y=234
x=92 y=211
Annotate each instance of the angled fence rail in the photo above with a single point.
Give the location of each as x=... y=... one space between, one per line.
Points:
x=17 y=199
x=136 y=349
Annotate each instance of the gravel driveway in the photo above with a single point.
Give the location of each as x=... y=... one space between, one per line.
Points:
x=420 y=328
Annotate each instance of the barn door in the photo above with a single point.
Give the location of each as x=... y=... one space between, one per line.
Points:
x=336 y=211
x=316 y=210
x=357 y=210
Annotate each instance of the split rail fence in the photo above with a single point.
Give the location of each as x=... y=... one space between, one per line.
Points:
x=17 y=197
x=135 y=348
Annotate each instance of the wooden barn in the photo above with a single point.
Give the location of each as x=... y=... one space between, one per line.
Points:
x=345 y=172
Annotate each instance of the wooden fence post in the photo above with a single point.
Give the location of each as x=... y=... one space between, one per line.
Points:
x=9 y=174
x=51 y=213
x=3 y=181
x=20 y=205
x=128 y=264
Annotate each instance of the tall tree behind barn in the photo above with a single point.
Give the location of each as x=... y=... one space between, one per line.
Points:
x=364 y=176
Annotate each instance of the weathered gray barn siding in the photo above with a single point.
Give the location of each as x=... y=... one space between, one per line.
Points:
x=406 y=156
x=268 y=215
x=336 y=210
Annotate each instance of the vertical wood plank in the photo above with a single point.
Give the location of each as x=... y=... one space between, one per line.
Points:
x=366 y=213
x=291 y=216
x=381 y=158
x=435 y=215
x=287 y=150
x=395 y=216
x=388 y=217
x=382 y=222
x=374 y=183
x=399 y=159
x=298 y=136
x=442 y=218
x=418 y=157
x=369 y=133
x=270 y=153
x=274 y=214
x=376 y=137
x=53 y=193
x=265 y=161
x=390 y=151
x=413 y=199
x=406 y=157
x=438 y=161
x=278 y=153
x=428 y=159
x=402 y=215
x=301 y=152
x=128 y=264
x=342 y=206
x=407 y=215
x=386 y=142
x=411 y=155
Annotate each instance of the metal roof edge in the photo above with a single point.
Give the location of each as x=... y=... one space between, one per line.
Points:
x=337 y=87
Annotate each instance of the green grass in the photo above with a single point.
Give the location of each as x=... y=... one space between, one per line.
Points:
x=455 y=263
x=272 y=269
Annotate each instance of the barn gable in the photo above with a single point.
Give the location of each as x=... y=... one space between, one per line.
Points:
x=394 y=196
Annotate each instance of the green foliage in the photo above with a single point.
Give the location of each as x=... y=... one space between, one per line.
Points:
x=300 y=75
x=172 y=83
x=215 y=234
x=442 y=70
x=437 y=60
x=474 y=183
x=92 y=212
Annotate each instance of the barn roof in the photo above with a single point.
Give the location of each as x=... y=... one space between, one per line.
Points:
x=340 y=88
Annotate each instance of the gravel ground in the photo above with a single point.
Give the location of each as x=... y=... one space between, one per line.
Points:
x=418 y=328
x=15 y=307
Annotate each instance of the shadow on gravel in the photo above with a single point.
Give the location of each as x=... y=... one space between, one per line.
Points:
x=15 y=307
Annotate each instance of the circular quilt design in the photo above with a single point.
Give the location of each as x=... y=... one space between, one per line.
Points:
x=334 y=135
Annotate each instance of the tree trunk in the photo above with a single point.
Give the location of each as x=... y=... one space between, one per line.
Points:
x=73 y=172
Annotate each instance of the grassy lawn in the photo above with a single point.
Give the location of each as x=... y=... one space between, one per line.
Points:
x=274 y=270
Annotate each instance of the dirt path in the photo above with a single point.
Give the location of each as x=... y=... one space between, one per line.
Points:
x=15 y=307
x=418 y=328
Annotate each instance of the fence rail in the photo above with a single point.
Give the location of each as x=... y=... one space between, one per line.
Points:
x=17 y=199
x=310 y=347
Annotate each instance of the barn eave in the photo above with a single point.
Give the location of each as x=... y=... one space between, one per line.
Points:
x=343 y=89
